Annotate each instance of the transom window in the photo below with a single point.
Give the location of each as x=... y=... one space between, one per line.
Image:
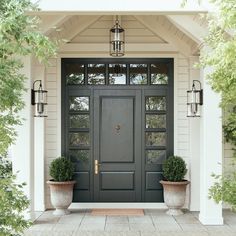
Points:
x=117 y=74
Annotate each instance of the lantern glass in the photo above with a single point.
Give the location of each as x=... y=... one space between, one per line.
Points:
x=39 y=100
x=193 y=110
x=194 y=100
x=40 y=96
x=193 y=96
x=117 y=40
x=40 y=110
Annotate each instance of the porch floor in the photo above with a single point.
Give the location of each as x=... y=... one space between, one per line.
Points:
x=153 y=223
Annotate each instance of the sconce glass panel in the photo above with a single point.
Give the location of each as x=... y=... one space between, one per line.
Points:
x=194 y=100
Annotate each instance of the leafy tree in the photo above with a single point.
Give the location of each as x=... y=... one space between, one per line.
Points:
x=18 y=37
x=222 y=58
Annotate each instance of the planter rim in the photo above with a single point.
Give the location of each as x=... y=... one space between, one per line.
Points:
x=184 y=182
x=52 y=182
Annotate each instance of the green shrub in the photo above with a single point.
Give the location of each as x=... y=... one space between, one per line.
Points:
x=174 y=169
x=61 y=169
x=224 y=189
x=13 y=202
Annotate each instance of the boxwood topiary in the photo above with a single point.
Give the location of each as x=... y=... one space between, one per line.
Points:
x=174 y=169
x=61 y=169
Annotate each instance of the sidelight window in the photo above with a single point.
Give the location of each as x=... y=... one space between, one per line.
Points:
x=79 y=129
x=155 y=129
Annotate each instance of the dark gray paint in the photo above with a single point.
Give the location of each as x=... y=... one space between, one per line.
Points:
x=117 y=134
x=122 y=160
x=144 y=177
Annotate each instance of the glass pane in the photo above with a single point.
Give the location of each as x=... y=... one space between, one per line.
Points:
x=159 y=79
x=96 y=73
x=79 y=139
x=79 y=155
x=79 y=121
x=138 y=73
x=117 y=73
x=155 y=156
x=159 y=74
x=79 y=103
x=155 y=121
x=74 y=73
x=155 y=139
x=155 y=103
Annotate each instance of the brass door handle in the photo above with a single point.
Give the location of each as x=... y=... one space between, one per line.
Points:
x=96 y=165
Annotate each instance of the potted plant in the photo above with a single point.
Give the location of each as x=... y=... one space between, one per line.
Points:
x=61 y=186
x=174 y=184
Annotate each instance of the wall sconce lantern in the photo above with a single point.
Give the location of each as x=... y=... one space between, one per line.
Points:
x=117 y=40
x=39 y=99
x=194 y=99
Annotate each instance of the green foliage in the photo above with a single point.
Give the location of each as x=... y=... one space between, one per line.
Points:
x=61 y=169
x=174 y=169
x=230 y=128
x=18 y=37
x=221 y=56
x=12 y=202
x=224 y=189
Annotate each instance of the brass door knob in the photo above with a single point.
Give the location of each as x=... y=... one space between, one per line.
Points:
x=118 y=127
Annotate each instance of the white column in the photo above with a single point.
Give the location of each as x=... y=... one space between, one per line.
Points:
x=22 y=150
x=39 y=179
x=194 y=127
x=211 y=152
x=39 y=147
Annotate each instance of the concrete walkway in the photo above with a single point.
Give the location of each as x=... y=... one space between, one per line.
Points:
x=153 y=223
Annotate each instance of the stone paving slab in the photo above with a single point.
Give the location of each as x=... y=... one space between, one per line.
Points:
x=153 y=223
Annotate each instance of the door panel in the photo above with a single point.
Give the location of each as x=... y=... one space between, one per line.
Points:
x=117 y=145
x=117 y=180
x=117 y=133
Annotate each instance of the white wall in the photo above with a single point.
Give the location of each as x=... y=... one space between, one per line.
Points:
x=52 y=144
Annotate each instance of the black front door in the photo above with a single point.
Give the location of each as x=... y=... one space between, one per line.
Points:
x=117 y=145
x=117 y=126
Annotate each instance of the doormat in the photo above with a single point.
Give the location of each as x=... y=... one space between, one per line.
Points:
x=117 y=212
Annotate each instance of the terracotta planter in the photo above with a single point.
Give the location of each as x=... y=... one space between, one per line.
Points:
x=174 y=196
x=61 y=196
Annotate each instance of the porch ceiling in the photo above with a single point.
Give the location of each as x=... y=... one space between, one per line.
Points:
x=170 y=33
x=124 y=7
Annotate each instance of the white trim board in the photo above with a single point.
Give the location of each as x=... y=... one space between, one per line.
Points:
x=117 y=205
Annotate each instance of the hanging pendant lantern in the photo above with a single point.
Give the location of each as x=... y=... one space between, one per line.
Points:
x=194 y=99
x=117 y=40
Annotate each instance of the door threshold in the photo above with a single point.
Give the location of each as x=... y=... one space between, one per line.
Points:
x=117 y=205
